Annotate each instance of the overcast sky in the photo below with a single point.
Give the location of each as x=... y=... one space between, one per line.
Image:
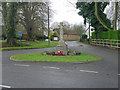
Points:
x=65 y=11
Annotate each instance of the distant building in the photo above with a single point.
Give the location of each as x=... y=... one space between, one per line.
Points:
x=71 y=37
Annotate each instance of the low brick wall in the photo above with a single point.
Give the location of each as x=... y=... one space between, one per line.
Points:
x=71 y=37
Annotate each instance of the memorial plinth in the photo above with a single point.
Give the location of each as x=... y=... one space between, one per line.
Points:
x=62 y=46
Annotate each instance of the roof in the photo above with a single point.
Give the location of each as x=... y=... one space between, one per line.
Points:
x=71 y=32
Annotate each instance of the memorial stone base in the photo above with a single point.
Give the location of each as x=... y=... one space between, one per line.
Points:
x=62 y=46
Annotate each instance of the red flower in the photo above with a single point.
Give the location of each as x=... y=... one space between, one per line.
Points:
x=59 y=53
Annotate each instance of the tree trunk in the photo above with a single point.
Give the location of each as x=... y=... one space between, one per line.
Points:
x=11 y=41
x=115 y=17
x=29 y=33
x=11 y=24
x=4 y=14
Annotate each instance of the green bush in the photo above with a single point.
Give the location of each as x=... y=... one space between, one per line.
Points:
x=18 y=37
x=84 y=36
x=107 y=35
x=4 y=37
x=93 y=35
x=41 y=37
x=118 y=34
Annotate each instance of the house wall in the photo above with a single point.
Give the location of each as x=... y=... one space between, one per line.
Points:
x=71 y=37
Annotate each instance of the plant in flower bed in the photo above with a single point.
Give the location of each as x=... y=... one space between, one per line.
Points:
x=49 y=53
x=59 y=53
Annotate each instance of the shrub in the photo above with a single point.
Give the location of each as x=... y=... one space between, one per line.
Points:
x=93 y=35
x=18 y=37
x=84 y=36
x=3 y=37
x=107 y=35
x=41 y=37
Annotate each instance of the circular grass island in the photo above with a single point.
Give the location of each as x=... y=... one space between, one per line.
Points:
x=83 y=57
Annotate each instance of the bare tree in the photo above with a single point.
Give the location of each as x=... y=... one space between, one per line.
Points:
x=79 y=29
x=33 y=16
x=114 y=8
x=119 y=15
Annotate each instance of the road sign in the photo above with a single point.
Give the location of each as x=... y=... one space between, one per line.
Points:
x=20 y=33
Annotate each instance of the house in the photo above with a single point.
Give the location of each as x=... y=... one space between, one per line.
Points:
x=72 y=35
x=87 y=32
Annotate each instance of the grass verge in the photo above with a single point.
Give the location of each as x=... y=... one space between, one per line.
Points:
x=39 y=57
x=29 y=45
x=87 y=43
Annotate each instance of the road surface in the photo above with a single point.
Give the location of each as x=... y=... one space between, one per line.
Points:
x=99 y=74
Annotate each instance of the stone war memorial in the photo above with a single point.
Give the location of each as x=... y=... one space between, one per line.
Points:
x=62 y=46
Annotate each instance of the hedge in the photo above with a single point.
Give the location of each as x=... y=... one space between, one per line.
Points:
x=115 y=35
x=84 y=36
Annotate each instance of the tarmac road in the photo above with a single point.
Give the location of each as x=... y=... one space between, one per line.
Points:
x=99 y=74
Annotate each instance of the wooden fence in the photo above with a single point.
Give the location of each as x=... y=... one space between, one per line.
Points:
x=106 y=42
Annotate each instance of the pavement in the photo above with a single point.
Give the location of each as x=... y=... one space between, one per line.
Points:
x=99 y=74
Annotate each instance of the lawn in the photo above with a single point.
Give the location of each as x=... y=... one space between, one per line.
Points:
x=39 y=57
x=2 y=41
x=28 y=45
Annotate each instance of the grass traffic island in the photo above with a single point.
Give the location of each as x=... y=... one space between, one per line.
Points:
x=40 y=57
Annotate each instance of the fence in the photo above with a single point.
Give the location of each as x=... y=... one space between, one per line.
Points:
x=106 y=42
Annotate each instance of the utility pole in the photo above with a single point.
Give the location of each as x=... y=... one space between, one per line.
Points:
x=48 y=28
x=89 y=30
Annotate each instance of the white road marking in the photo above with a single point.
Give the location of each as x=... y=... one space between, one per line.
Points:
x=51 y=67
x=21 y=65
x=88 y=71
x=5 y=86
